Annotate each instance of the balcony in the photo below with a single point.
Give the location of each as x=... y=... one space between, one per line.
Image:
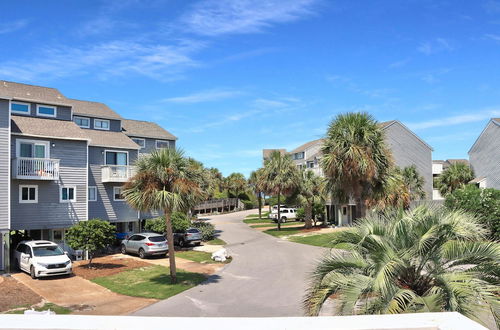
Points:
x=35 y=168
x=117 y=173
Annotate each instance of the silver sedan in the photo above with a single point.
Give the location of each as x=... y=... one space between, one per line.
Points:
x=145 y=244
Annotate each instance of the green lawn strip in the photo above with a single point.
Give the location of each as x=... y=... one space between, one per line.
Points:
x=284 y=231
x=286 y=224
x=324 y=240
x=263 y=220
x=196 y=256
x=264 y=214
x=150 y=282
x=53 y=307
x=216 y=241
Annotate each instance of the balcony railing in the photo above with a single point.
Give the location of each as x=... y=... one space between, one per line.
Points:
x=35 y=168
x=117 y=173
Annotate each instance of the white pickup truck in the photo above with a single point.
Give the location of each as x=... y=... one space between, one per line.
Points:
x=287 y=213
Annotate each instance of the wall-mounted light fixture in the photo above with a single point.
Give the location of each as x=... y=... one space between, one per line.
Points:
x=53 y=145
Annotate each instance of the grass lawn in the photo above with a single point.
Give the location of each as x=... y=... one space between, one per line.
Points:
x=53 y=307
x=284 y=231
x=216 y=241
x=316 y=240
x=150 y=282
x=198 y=256
x=264 y=215
x=286 y=224
x=263 y=220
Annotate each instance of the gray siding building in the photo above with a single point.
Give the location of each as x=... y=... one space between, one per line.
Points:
x=484 y=156
x=63 y=161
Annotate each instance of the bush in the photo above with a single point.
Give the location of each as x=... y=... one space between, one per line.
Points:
x=91 y=235
x=301 y=214
x=207 y=230
x=180 y=222
x=248 y=205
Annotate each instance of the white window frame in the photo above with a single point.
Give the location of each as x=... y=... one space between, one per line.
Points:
x=21 y=201
x=120 y=151
x=103 y=120
x=78 y=117
x=21 y=112
x=95 y=194
x=44 y=114
x=35 y=142
x=156 y=144
x=114 y=195
x=68 y=200
x=143 y=142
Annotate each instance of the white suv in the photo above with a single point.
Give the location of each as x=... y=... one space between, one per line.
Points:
x=42 y=258
x=286 y=214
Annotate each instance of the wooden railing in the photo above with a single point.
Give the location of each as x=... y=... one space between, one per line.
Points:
x=117 y=173
x=35 y=168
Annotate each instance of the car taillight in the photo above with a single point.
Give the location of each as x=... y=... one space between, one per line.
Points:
x=150 y=244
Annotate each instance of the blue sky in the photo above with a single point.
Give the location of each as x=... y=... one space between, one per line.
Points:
x=230 y=78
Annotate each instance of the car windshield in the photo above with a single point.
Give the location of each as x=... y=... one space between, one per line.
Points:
x=47 y=251
x=193 y=231
x=157 y=239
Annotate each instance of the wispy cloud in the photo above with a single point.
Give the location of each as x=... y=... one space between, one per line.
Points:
x=226 y=119
x=455 y=120
x=97 y=26
x=400 y=63
x=495 y=37
x=434 y=76
x=492 y=7
x=435 y=46
x=218 y=17
x=162 y=62
x=205 y=96
x=10 y=27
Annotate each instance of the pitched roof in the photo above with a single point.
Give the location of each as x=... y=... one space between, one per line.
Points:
x=109 y=139
x=477 y=180
x=32 y=93
x=456 y=161
x=34 y=126
x=384 y=124
x=267 y=152
x=306 y=146
x=147 y=129
x=92 y=109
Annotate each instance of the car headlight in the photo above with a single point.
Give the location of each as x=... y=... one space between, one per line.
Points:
x=42 y=265
x=67 y=262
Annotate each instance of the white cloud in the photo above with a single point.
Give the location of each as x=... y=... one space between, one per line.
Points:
x=97 y=26
x=218 y=17
x=162 y=62
x=455 y=120
x=400 y=63
x=205 y=96
x=10 y=27
x=435 y=46
x=494 y=37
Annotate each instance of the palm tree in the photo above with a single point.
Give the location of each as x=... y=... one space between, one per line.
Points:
x=426 y=259
x=454 y=177
x=167 y=181
x=393 y=193
x=413 y=181
x=355 y=158
x=236 y=184
x=257 y=184
x=311 y=190
x=281 y=177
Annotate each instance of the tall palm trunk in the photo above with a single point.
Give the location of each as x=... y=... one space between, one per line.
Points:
x=279 y=211
x=308 y=215
x=171 y=249
x=259 y=197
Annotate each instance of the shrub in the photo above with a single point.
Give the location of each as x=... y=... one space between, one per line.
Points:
x=92 y=236
x=248 y=205
x=180 y=222
x=207 y=230
x=301 y=214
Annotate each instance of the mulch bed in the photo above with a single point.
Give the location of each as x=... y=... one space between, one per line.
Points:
x=106 y=266
x=14 y=294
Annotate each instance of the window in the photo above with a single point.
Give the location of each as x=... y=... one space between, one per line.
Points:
x=32 y=149
x=116 y=158
x=161 y=144
x=310 y=164
x=28 y=194
x=298 y=155
x=140 y=142
x=101 y=124
x=68 y=194
x=19 y=107
x=117 y=194
x=83 y=122
x=46 y=111
x=92 y=194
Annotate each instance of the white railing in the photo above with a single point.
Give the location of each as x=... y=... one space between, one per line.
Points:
x=35 y=168
x=117 y=173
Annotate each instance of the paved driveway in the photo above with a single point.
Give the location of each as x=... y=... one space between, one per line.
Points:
x=268 y=277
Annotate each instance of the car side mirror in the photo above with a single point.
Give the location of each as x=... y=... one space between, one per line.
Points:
x=66 y=252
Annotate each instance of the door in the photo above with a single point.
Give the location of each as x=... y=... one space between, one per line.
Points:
x=26 y=255
x=345 y=215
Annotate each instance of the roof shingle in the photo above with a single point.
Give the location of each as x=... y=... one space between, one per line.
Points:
x=147 y=129
x=33 y=126
x=32 y=93
x=306 y=146
x=109 y=139
x=93 y=109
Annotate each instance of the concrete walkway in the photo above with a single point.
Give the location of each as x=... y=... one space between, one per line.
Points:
x=268 y=277
x=82 y=295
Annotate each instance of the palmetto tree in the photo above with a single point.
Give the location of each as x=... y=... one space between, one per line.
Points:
x=311 y=190
x=355 y=158
x=426 y=259
x=393 y=193
x=166 y=181
x=258 y=185
x=236 y=184
x=281 y=177
x=413 y=181
x=454 y=177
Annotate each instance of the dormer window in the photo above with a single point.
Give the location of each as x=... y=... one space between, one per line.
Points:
x=101 y=124
x=20 y=107
x=83 y=122
x=161 y=144
x=46 y=111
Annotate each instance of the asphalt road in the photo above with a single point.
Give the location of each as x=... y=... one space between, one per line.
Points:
x=267 y=277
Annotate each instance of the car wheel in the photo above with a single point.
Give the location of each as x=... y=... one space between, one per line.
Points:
x=32 y=273
x=283 y=219
x=142 y=254
x=182 y=243
x=198 y=244
x=123 y=249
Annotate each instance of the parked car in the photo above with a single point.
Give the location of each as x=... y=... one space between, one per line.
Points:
x=145 y=244
x=42 y=258
x=190 y=236
x=274 y=210
x=286 y=214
